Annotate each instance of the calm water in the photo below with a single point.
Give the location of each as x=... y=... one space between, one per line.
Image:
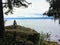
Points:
x=41 y=25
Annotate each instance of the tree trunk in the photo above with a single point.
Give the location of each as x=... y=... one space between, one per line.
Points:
x=1 y=21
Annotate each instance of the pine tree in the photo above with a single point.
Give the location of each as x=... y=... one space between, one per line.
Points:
x=1 y=20
x=54 y=9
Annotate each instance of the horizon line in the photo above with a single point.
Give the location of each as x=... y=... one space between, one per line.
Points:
x=17 y=18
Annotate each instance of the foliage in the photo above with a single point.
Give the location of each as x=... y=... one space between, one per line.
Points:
x=54 y=9
x=44 y=37
x=14 y=3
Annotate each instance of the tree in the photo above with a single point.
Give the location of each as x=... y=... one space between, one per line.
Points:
x=54 y=4
x=1 y=20
x=54 y=9
x=9 y=4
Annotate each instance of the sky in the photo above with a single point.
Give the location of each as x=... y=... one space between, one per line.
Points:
x=37 y=7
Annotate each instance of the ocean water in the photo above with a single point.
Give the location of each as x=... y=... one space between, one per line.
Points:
x=40 y=25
